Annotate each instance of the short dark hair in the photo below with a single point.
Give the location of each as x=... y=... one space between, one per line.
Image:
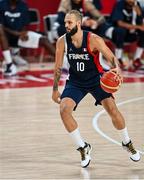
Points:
x=76 y=13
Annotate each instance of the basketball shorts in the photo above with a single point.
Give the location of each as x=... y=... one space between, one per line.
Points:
x=78 y=93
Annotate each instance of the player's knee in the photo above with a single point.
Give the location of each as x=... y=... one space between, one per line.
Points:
x=65 y=109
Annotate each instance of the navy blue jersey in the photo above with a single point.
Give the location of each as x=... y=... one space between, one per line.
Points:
x=121 y=13
x=85 y=68
x=14 y=19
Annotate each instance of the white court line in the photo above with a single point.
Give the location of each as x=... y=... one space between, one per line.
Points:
x=96 y=118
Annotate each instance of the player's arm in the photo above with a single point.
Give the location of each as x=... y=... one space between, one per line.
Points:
x=64 y=6
x=130 y=26
x=58 y=67
x=13 y=32
x=21 y=34
x=89 y=7
x=97 y=43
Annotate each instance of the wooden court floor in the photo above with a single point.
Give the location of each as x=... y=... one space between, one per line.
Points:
x=34 y=144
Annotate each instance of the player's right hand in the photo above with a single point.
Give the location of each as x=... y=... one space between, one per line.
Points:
x=56 y=96
x=23 y=36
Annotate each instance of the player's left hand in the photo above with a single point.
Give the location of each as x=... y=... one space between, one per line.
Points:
x=118 y=76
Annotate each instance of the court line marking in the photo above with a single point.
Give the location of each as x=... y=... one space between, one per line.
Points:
x=97 y=115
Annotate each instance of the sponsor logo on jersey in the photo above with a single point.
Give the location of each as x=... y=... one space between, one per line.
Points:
x=79 y=56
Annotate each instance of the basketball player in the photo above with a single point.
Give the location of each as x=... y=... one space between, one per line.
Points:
x=82 y=49
x=14 y=16
x=6 y=53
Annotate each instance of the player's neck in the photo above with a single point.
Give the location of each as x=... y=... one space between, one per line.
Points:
x=77 y=39
x=77 y=36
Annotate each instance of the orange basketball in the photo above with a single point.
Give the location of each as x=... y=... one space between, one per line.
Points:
x=108 y=82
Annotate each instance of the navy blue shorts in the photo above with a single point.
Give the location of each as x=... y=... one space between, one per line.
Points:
x=78 y=93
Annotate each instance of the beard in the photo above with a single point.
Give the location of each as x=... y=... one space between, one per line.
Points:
x=73 y=31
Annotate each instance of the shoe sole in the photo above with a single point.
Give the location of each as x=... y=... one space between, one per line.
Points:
x=87 y=164
x=135 y=160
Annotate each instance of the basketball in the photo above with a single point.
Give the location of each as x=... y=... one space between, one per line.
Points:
x=108 y=82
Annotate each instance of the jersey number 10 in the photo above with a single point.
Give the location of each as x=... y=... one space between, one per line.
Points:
x=80 y=66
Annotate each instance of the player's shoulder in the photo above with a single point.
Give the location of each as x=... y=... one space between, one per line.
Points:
x=95 y=41
x=95 y=37
x=61 y=39
x=60 y=42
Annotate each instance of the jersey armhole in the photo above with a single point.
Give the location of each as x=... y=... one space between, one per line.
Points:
x=95 y=56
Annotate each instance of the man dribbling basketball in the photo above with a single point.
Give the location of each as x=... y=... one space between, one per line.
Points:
x=82 y=49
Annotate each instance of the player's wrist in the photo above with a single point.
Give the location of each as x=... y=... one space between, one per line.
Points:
x=55 y=89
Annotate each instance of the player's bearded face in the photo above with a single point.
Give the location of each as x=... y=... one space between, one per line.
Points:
x=73 y=30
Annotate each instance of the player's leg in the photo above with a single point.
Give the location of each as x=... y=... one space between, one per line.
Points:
x=17 y=58
x=70 y=98
x=108 y=102
x=10 y=68
x=119 y=124
x=47 y=45
x=118 y=37
x=116 y=116
x=66 y=108
x=139 y=50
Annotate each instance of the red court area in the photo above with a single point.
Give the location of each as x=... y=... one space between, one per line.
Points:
x=44 y=78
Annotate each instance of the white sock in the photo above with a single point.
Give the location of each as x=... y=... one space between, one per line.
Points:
x=76 y=137
x=7 y=56
x=118 y=53
x=138 y=53
x=124 y=135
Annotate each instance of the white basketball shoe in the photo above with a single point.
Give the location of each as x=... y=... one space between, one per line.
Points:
x=133 y=153
x=18 y=60
x=85 y=155
x=10 y=69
